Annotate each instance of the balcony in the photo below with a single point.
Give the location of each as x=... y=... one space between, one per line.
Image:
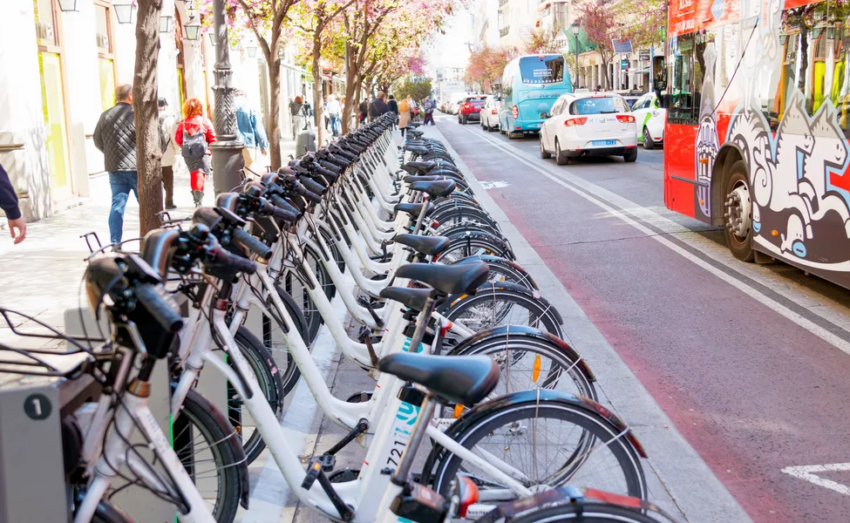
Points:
x=503 y=3
x=504 y=31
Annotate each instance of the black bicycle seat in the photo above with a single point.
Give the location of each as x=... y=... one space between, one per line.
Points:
x=416 y=132
x=425 y=178
x=418 y=167
x=448 y=279
x=414 y=148
x=434 y=189
x=427 y=245
x=459 y=379
x=413 y=209
x=410 y=298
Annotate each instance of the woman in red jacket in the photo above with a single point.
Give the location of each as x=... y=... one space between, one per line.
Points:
x=194 y=136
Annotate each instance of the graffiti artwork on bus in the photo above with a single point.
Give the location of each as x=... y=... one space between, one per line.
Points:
x=804 y=215
x=707 y=144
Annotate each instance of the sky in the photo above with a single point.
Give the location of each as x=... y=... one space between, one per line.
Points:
x=451 y=49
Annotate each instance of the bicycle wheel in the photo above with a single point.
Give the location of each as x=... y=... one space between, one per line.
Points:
x=502 y=270
x=551 y=442
x=263 y=364
x=463 y=244
x=498 y=304
x=529 y=359
x=589 y=513
x=293 y=285
x=273 y=330
x=201 y=441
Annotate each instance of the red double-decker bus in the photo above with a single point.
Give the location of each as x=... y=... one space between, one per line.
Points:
x=758 y=100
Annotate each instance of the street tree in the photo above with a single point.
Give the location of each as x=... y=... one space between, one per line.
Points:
x=311 y=18
x=485 y=66
x=418 y=90
x=407 y=61
x=541 y=41
x=647 y=29
x=266 y=19
x=599 y=22
x=146 y=115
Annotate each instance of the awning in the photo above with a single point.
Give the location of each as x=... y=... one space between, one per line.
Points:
x=644 y=70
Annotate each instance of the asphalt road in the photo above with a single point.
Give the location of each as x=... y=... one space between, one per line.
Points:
x=749 y=362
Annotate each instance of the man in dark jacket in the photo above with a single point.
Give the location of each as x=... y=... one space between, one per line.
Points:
x=378 y=106
x=115 y=137
x=364 y=109
x=9 y=204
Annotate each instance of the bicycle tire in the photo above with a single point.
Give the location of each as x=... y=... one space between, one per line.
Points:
x=289 y=374
x=463 y=244
x=631 y=483
x=461 y=213
x=503 y=270
x=197 y=414
x=295 y=288
x=591 y=512
x=502 y=302
x=265 y=370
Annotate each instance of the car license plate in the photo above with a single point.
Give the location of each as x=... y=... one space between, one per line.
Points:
x=603 y=142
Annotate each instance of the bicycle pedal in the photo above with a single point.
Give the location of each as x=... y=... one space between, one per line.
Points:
x=344 y=475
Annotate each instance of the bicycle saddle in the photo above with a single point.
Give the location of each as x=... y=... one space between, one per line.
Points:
x=414 y=148
x=448 y=279
x=413 y=209
x=434 y=189
x=416 y=133
x=427 y=245
x=410 y=298
x=459 y=379
x=418 y=167
x=421 y=178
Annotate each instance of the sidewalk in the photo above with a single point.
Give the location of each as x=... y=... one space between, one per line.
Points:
x=41 y=276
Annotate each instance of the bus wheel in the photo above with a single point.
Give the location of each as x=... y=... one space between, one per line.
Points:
x=738 y=211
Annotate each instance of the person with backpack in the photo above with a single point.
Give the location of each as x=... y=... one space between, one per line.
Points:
x=404 y=115
x=194 y=135
x=167 y=125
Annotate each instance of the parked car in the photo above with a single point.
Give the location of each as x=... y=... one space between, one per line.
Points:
x=490 y=113
x=589 y=124
x=470 y=108
x=649 y=120
x=631 y=99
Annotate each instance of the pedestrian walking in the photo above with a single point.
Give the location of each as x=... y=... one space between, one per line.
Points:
x=428 y=108
x=115 y=137
x=250 y=129
x=299 y=115
x=167 y=126
x=404 y=115
x=9 y=204
x=364 y=110
x=378 y=106
x=194 y=136
x=334 y=111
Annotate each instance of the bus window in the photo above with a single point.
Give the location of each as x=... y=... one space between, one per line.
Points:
x=542 y=70
x=682 y=81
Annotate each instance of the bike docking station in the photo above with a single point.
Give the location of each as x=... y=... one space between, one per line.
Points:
x=32 y=474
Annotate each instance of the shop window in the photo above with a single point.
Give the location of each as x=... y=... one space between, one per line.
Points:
x=105 y=55
x=45 y=23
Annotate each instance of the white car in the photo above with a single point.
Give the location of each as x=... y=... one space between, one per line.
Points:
x=490 y=114
x=589 y=124
x=649 y=120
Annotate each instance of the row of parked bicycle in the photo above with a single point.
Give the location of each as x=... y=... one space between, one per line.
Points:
x=480 y=411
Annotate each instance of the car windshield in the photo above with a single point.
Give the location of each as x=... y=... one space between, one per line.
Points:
x=601 y=105
x=542 y=69
x=477 y=102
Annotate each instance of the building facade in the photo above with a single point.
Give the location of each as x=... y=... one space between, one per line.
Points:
x=67 y=65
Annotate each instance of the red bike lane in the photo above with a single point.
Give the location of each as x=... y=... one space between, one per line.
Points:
x=750 y=390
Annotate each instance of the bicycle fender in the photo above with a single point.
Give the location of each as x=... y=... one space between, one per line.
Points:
x=504 y=285
x=489 y=258
x=234 y=442
x=523 y=331
x=503 y=244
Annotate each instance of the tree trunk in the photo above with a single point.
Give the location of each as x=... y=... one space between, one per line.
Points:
x=146 y=115
x=351 y=101
x=275 y=160
x=317 y=86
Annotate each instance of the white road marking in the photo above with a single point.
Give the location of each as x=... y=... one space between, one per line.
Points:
x=630 y=212
x=807 y=473
x=494 y=185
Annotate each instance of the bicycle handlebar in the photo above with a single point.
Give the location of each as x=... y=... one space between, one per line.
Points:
x=232 y=261
x=160 y=306
x=253 y=245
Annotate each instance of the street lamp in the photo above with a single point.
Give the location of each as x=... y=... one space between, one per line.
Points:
x=68 y=6
x=124 y=12
x=252 y=51
x=192 y=30
x=576 y=28
x=166 y=24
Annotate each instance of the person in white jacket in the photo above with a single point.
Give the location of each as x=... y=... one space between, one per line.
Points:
x=167 y=125
x=334 y=110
